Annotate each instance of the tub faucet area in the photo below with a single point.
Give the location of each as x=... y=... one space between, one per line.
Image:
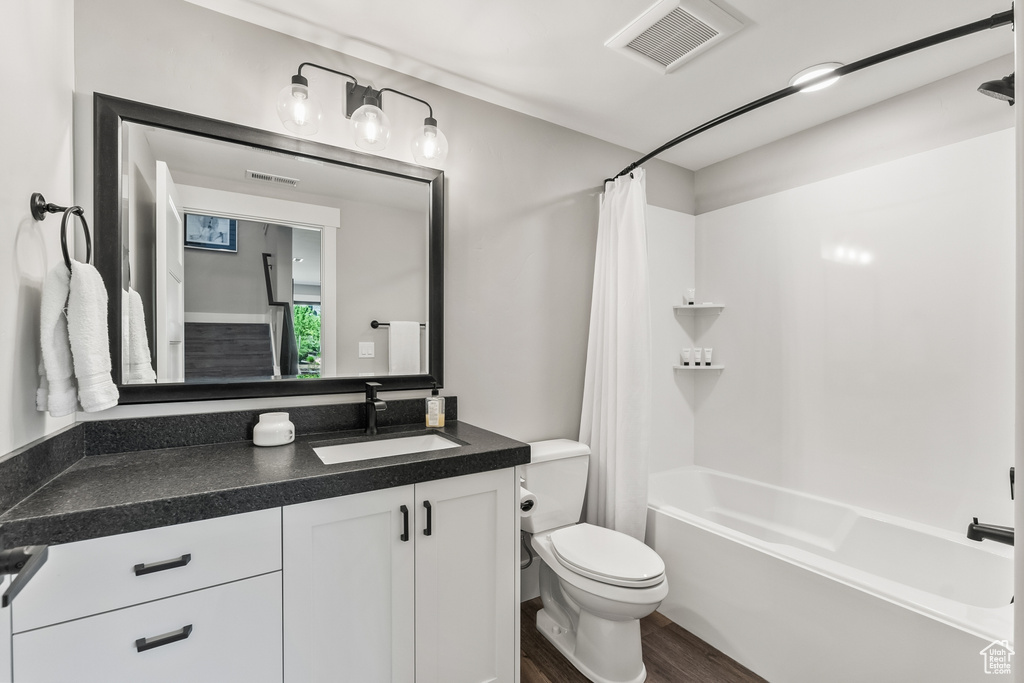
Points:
x=374 y=405
x=979 y=532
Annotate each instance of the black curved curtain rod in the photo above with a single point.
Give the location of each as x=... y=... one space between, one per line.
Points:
x=995 y=21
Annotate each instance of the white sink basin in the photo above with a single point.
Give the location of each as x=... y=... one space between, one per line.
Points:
x=381 y=448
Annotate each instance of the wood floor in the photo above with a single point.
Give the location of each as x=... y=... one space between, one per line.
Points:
x=671 y=655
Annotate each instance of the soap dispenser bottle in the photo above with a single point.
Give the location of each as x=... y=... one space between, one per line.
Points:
x=435 y=408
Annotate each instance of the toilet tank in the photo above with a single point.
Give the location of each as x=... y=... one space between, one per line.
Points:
x=557 y=475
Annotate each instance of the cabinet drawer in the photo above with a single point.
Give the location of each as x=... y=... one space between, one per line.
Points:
x=88 y=577
x=235 y=635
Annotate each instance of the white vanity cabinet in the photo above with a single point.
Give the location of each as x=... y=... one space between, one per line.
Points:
x=415 y=583
x=198 y=602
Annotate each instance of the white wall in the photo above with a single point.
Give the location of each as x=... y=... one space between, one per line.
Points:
x=521 y=195
x=887 y=384
x=37 y=70
x=382 y=258
x=670 y=248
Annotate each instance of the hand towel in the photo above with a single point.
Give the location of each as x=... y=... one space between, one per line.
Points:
x=43 y=392
x=140 y=363
x=57 y=389
x=90 y=345
x=404 y=348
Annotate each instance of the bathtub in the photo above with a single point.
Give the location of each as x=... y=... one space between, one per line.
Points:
x=800 y=588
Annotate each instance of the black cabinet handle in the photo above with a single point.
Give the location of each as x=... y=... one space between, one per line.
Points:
x=143 y=644
x=405 y=523
x=426 y=504
x=141 y=569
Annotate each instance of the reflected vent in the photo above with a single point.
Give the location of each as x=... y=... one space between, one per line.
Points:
x=271 y=178
x=674 y=31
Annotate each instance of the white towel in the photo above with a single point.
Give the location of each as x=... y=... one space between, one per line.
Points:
x=140 y=363
x=404 y=348
x=56 y=387
x=90 y=344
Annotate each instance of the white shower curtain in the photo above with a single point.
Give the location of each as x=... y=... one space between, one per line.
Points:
x=616 y=420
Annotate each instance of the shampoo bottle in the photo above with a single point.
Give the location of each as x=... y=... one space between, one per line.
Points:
x=435 y=408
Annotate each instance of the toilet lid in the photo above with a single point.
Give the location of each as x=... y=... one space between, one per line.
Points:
x=607 y=556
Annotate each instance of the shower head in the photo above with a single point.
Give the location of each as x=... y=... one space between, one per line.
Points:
x=1001 y=89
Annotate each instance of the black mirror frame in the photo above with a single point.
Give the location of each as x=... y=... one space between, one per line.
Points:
x=108 y=114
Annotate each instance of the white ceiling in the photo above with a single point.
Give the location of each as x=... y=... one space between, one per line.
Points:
x=547 y=58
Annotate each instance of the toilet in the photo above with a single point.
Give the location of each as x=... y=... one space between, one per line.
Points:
x=596 y=584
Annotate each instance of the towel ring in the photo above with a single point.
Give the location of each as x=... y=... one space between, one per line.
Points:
x=40 y=208
x=78 y=211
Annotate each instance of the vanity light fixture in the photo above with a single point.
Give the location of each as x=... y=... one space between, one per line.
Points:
x=814 y=73
x=300 y=112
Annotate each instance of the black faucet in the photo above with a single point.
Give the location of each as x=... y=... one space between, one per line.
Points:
x=373 y=406
x=979 y=532
x=1000 y=534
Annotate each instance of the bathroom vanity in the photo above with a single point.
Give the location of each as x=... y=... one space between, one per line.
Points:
x=177 y=549
x=281 y=568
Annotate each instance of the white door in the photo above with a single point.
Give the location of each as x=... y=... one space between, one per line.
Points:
x=465 y=579
x=170 y=279
x=348 y=589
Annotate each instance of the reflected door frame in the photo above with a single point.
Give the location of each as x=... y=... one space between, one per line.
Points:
x=286 y=213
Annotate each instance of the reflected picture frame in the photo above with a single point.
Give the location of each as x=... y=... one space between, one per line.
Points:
x=214 y=233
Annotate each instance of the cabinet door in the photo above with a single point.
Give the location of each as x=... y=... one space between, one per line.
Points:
x=465 y=579
x=6 y=674
x=230 y=632
x=348 y=589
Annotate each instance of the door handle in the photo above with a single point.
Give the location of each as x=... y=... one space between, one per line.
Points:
x=23 y=562
x=405 y=523
x=426 y=531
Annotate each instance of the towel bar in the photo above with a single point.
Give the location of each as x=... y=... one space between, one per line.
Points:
x=374 y=324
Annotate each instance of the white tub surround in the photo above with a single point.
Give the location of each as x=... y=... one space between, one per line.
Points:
x=800 y=588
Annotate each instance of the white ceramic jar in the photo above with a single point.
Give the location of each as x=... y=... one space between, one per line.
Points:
x=273 y=429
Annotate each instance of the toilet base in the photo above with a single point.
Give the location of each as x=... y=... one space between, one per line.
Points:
x=564 y=641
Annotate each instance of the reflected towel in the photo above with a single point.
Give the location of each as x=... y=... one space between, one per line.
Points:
x=140 y=363
x=56 y=387
x=90 y=345
x=404 y=348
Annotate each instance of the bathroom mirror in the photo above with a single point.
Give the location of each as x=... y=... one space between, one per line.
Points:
x=265 y=265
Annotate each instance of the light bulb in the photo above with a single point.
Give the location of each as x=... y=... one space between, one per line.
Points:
x=430 y=146
x=371 y=128
x=298 y=108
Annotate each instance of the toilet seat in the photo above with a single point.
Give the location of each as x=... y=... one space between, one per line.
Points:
x=607 y=556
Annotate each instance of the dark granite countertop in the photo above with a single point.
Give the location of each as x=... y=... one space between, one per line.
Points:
x=101 y=495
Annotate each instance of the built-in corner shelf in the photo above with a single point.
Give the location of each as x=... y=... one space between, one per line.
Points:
x=698 y=367
x=700 y=309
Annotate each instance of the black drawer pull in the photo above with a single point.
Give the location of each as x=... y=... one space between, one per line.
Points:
x=143 y=644
x=141 y=569
x=405 y=523
x=426 y=504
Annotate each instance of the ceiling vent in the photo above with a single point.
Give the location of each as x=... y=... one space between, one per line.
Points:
x=271 y=178
x=673 y=32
